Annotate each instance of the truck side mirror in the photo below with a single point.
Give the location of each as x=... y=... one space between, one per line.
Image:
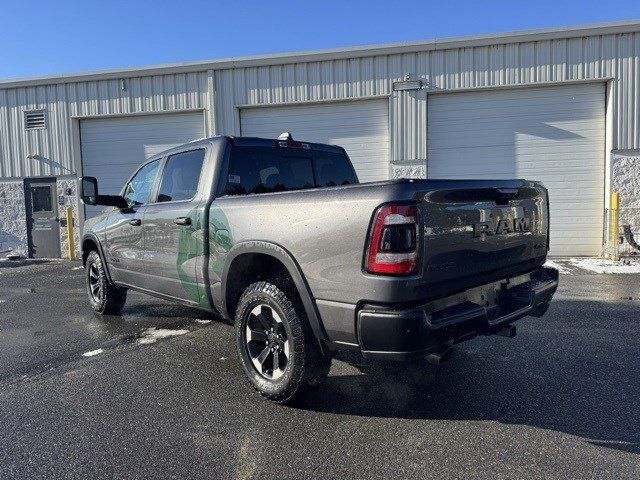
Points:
x=89 y=195
x=89 y=190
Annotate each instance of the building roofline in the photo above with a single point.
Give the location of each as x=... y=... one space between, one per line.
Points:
x=626 y=26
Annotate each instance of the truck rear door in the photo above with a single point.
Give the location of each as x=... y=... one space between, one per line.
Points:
x=171 y=225
x=476 y=230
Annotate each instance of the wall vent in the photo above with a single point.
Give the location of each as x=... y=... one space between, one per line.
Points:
x=34 y=119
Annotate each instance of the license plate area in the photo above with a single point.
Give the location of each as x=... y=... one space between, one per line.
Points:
x=492 y=301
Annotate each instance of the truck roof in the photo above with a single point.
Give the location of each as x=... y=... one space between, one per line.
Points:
x=249 y=142
x=274 y=142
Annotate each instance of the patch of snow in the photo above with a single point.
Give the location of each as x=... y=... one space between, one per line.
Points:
x=93 y=353
x=152 y=335
x=77 y=268
x=561 y=268
x=602 y=265
x=202 y=321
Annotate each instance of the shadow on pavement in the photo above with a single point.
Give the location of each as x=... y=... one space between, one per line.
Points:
x=578 y=389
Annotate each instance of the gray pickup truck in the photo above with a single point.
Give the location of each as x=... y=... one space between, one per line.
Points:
x=279 y=238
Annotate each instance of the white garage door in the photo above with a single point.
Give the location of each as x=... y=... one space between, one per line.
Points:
x=552 y=134
x=112 y=148
x=361 y=127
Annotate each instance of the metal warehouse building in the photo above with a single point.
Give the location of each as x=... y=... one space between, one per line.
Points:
x=561 y=106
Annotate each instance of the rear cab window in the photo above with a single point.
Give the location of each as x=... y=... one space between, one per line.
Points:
x=264 y=169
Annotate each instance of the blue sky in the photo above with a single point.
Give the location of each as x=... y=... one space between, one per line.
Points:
x=41 y=37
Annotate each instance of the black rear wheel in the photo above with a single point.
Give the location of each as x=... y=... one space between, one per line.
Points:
x=267 y=342
x=278 y=350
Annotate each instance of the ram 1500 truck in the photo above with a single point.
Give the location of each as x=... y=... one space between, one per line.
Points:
x=279 y=238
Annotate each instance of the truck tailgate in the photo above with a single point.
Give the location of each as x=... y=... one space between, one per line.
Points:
x=476 y=230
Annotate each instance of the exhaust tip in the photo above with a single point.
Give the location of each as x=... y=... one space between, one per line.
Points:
x=440 y=356
x=508 y=331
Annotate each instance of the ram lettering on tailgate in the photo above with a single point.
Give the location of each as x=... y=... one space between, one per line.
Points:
x=501 y=226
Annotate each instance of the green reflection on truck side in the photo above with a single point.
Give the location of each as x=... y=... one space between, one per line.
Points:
x=191 y=252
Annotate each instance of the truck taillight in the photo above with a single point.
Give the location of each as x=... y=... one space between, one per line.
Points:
x=393 y=241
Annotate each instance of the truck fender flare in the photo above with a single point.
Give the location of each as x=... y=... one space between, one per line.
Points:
x=94 y=239
x=292 y=267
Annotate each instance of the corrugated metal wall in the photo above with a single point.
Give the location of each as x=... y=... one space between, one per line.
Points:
x=588 y=58
x=185 y=91
x=614 y=56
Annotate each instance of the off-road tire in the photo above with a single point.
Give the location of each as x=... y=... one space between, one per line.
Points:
x=307 y=367
x=112 y=298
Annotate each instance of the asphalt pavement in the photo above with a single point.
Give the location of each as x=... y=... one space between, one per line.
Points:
x=560 y=400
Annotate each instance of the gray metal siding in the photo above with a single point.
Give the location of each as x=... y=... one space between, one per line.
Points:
x=176 y=92
x=220 y=90
x=548 y=61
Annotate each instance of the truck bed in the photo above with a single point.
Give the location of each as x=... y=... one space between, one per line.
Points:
x=326 y=230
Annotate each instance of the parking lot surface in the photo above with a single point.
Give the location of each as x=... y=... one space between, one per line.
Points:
x=558 y=401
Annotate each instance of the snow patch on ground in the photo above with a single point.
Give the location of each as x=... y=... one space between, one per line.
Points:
x=601 y=265
x=202 y=321
x=93 y=353
x=152 y=335
x=77 y=268
x=561 y=268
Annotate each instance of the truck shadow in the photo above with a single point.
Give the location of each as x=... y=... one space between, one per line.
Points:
x=586 y=385
x=22 y=262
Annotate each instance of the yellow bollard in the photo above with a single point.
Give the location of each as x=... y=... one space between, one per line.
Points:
x=614 y=225
x=71 y=240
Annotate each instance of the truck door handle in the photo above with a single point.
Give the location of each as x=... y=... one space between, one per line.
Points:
x=182 y=221
x=136 y=222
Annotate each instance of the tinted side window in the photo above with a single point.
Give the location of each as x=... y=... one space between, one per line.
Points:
x=333 y=169
x=263 y=170
x=139 y=188
x=181 y=176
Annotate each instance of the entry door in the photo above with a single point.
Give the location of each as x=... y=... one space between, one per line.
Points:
x=42 y=218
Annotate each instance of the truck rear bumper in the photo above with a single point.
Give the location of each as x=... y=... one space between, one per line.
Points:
x=388 y=333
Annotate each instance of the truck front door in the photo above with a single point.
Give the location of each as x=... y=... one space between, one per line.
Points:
x=124 y=239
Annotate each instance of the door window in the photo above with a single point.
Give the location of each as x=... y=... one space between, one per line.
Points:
x=41 y=200
x=139 y=188
x=181 y=176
